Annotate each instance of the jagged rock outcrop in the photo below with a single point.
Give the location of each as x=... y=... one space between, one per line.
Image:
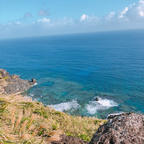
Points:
x=11 y=84
x=127 y=128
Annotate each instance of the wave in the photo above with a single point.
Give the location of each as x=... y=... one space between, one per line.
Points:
x=92 y=107
x=35 y=84
x=66 y=106
x=102 y=104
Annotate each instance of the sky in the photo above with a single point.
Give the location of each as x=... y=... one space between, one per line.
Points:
x=28 y=18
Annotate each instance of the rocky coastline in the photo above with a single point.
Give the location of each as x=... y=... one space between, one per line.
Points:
x=25 y=121
x=11 y=84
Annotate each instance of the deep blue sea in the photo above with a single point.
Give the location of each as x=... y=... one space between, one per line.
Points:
x=72 y=70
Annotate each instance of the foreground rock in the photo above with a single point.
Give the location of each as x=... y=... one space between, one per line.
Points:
x=11 y=84
x=69 y=140
x=125 y=128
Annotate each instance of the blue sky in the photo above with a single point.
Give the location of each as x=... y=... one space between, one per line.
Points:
x=24 y=18
x=15 y=9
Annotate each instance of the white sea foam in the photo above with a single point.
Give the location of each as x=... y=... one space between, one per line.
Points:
x=93 y=106
x=35 y=84
x=31 y=94
x=66 y=106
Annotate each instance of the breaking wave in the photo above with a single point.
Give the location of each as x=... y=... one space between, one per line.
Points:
x=102 y=104
x=66 y=106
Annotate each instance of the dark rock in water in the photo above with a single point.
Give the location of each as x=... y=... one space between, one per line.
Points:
x=33 y=81
x=96 y=99
x=11 y=84
x=127 y=128
x=69 y=140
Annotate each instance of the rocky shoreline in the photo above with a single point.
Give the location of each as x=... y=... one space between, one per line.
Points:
x=11 y=84
x=123 y=128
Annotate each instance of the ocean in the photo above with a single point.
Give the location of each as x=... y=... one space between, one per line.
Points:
x=73 y=70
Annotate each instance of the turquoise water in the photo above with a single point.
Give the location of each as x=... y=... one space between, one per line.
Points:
x=72 y=70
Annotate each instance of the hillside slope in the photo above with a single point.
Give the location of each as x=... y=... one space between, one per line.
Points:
x=24 y=121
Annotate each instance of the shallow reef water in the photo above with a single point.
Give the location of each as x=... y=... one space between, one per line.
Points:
x=71 y=97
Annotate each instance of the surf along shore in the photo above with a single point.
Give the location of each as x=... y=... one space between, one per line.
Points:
x=24 y=121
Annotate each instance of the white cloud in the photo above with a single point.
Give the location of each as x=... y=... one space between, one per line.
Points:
x=44 y=20
x=84 y=17
x=134 y=12
x=122 y=14
x=110 y=15
x=141 y=8
x=89 y=19
x=141 y=13
x=141 y=1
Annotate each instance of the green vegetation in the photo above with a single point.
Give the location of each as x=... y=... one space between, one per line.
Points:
x=23 y=121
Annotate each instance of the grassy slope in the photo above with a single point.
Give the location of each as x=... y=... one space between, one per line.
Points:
x=23 y=121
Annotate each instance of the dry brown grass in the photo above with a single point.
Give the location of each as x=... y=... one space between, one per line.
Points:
x=23 y=121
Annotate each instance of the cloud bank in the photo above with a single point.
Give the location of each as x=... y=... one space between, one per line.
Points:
x=131 y=17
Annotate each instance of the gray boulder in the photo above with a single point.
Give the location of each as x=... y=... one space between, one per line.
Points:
x=126 y=128
x=69 y=140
